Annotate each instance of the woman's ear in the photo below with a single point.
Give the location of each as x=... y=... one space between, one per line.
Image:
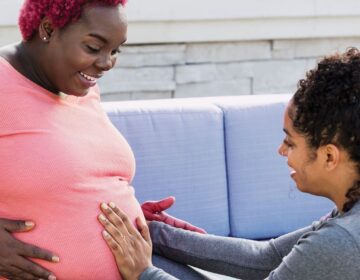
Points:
x=332 y=156
x=45 y=29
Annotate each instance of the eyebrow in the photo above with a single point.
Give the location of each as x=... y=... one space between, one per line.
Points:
x=101 y=38
x=287 y=132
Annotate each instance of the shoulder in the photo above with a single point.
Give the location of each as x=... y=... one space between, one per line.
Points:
x=347 y=224
x=8 y=52
x=7 y=61
x=331 y=243
x=323 y=253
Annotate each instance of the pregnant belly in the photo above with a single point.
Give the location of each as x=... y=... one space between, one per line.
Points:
x=70 y=229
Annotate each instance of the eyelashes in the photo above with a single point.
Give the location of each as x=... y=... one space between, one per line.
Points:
x=92 y=49
x=287 y=143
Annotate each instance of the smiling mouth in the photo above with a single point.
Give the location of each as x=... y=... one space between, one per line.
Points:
x=87 y=77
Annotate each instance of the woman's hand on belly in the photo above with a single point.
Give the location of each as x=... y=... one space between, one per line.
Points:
x=14 y=254
x=131 y=248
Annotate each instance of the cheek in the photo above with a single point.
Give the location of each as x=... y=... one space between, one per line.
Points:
x=293 y=159
x=113 y=60
x=77 y=58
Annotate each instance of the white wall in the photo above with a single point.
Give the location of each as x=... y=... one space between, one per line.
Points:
x=172 y=21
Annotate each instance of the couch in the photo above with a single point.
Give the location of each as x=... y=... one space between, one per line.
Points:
x=218 y=157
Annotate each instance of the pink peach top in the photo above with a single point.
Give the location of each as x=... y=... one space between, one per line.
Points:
x=60 y=157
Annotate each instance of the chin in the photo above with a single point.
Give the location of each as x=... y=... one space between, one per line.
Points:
x=300 y=187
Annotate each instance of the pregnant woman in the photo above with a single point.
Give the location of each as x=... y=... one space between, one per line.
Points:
x=60 y=155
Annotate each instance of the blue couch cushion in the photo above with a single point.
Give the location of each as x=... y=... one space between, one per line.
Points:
x=264 y=201
x=179 y=150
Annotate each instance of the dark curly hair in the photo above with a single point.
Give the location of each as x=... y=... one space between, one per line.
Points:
x=61 y=12
x=326 y=109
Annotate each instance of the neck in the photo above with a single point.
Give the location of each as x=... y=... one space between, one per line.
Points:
x=340 y=187
x=32 y=64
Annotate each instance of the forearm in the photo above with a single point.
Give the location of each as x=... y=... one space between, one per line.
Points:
x=155 y=273
x=235 y=257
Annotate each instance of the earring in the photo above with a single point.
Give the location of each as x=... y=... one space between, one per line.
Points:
x=44 y=38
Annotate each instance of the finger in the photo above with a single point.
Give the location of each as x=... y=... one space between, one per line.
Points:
x=165 y=203
x=182 y=224
x=150 y=215
x=124 y=218
x=158 y=206
x=143 y=229
x=175 y=222
x=29 y=267
x=113 y=217
x=194 y=228
x=32 y=251
x=117 y=218
x=115 y=247
x=17 y=273
x=12 y=273
x=17 y=225
x=118 y=233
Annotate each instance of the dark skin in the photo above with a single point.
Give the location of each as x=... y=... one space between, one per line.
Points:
x=57 y=60
x=14 y=254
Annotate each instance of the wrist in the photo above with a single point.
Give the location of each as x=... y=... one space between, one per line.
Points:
x=144 y=275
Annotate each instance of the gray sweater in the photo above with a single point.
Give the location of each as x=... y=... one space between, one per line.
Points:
x=327 y=249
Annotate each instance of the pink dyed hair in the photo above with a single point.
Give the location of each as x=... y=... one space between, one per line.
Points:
x=61 y=12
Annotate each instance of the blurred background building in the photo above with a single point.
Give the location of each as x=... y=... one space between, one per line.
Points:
x=184 y=48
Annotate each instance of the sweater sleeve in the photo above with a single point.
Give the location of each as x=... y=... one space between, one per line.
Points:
x=156 y=273
x=236 y=257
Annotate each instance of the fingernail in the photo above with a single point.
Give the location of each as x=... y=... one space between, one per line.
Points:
x=52 y=277
x=102 y=217
x=104 y=206
x=29 y=224
x=112 y=205
x=105 y=234
x=55 y=259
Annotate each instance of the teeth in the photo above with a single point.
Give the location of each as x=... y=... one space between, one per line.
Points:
x=87 y=77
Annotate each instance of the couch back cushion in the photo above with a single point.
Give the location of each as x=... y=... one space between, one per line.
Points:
x=264 y=201
x=179 y=151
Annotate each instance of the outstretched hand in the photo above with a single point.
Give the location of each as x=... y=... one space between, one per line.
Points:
x=131 y=248
x=155 y=211
x=14 y=254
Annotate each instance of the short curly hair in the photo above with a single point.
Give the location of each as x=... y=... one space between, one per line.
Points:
x=326 y=108
x=61 y=12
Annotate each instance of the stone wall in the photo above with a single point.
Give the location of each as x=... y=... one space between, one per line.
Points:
x=211 y=69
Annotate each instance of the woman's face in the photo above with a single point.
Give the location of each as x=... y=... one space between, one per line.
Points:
x=80 y=53
x=306 y=168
